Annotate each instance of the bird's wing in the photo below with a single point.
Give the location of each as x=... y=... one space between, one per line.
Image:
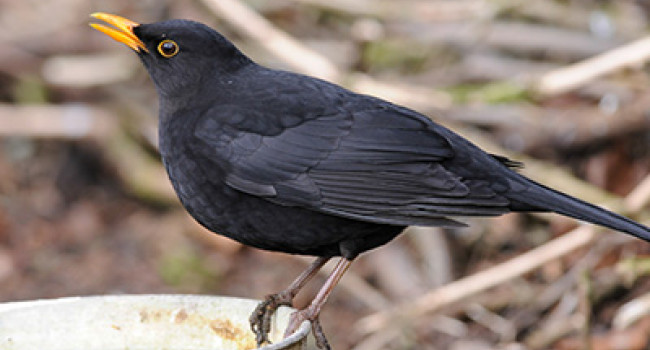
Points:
x=380 y=165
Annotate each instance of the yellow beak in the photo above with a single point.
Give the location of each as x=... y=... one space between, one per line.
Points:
x=123 y=33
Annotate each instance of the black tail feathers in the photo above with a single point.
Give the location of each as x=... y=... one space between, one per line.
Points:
x=546 y=199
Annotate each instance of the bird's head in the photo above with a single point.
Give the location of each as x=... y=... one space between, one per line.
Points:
x=178 y=54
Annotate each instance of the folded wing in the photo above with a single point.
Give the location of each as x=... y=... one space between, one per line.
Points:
x=380 y=165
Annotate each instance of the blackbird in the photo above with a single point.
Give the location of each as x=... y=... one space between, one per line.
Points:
x=290 y=163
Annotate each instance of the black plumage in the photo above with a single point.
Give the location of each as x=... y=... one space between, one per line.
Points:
x=286 y=162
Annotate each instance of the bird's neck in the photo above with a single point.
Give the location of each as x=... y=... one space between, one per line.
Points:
x=174 y=127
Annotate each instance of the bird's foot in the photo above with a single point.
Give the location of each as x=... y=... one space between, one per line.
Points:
x=260 y=319
x=298 y=317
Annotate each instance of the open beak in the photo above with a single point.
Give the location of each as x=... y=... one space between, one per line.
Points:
x=123 y=31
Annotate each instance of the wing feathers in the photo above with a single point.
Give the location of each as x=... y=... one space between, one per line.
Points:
x=376 y=165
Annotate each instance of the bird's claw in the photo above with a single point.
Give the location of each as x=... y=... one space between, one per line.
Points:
x=319 y=335
x=260 y=319
x=298 y=317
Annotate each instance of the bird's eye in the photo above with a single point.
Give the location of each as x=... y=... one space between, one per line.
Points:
x=168 y=48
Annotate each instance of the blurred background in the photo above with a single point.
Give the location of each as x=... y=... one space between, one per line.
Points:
x=86 y=208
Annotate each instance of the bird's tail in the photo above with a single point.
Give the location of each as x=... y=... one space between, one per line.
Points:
x=543 y=198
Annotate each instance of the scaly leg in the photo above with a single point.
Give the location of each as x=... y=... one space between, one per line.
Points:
x=313 y=310
x=260 y=319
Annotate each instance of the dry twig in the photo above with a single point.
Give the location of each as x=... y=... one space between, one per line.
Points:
x=279 y=43
x=571 y=77
x=468 y=286
x=639 y=197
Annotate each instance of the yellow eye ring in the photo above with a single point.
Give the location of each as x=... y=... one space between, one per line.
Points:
x=168 y=48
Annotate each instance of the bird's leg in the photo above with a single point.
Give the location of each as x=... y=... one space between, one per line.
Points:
x=313 y=310
x=260 y=319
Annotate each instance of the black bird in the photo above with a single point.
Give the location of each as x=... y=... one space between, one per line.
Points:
x=290 y=163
